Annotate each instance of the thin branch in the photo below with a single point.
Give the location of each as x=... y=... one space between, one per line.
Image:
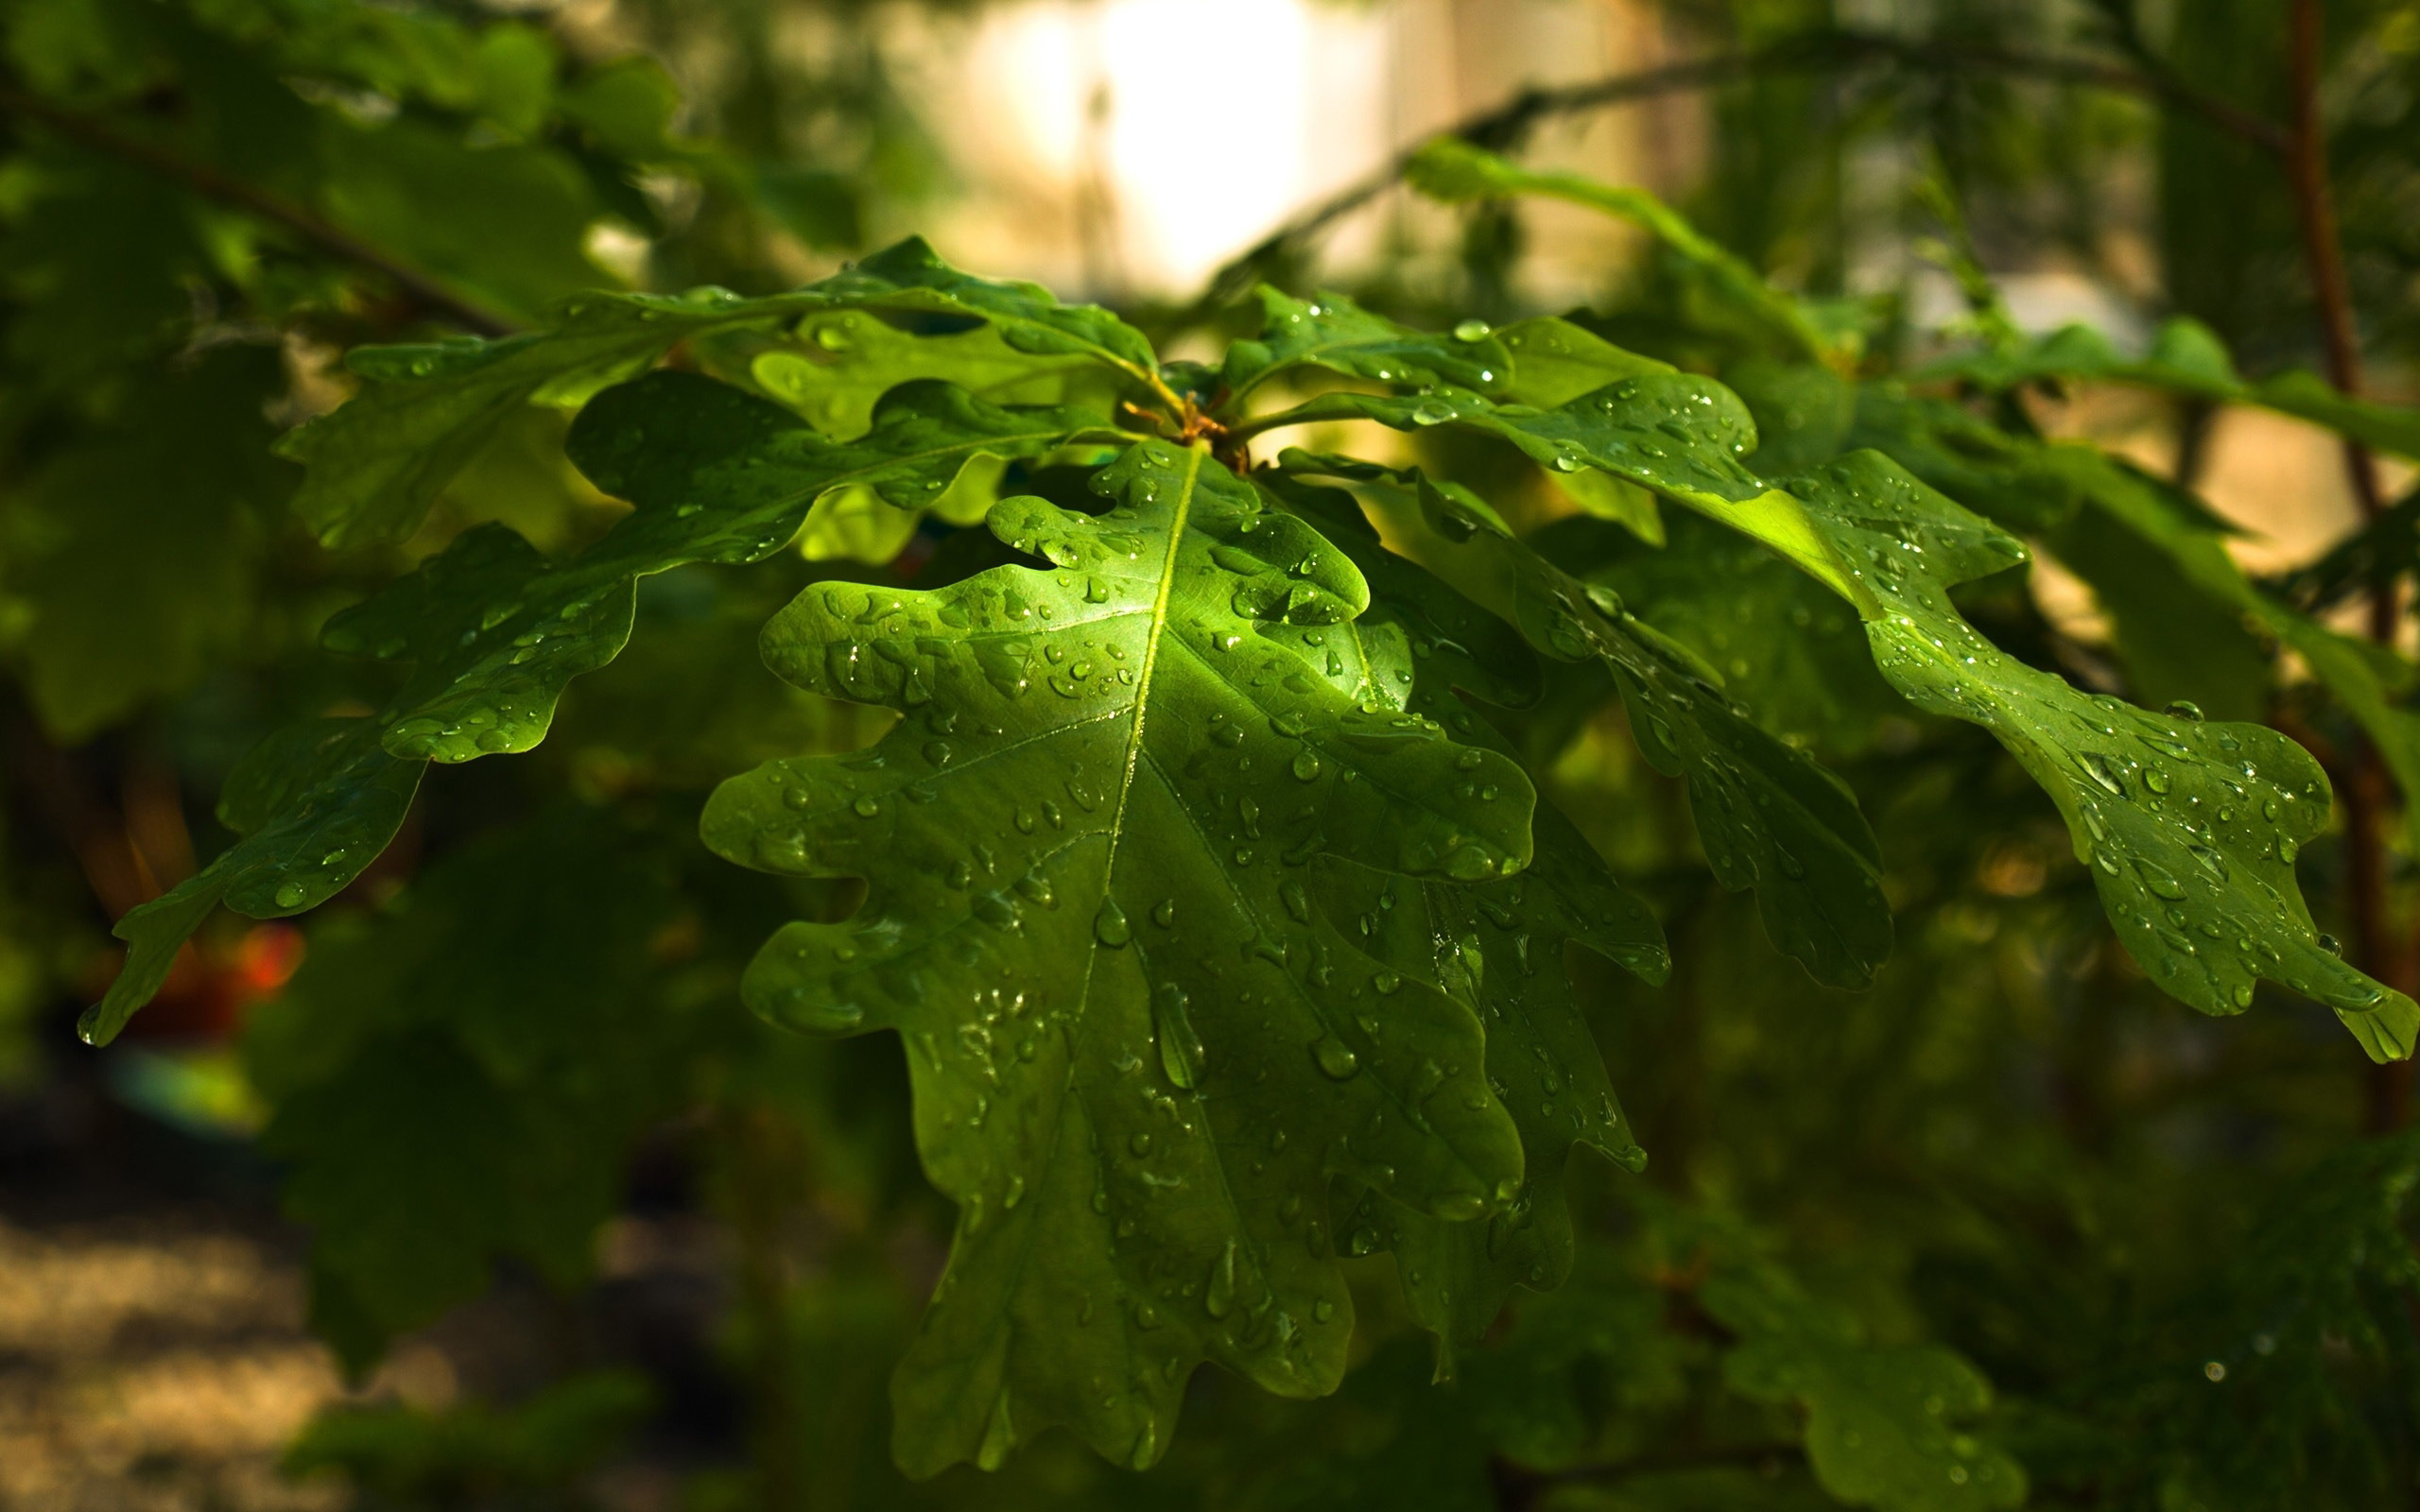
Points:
x=2324 y=250
x=1508 y=124
x=209 y=182
x=2368 y=792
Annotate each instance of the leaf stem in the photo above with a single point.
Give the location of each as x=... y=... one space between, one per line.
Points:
x=211 y=183
x=1244 y=430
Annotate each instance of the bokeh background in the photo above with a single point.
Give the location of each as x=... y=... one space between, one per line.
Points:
x=203 y=202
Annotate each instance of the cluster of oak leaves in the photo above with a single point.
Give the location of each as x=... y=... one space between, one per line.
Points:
x=1221 y=921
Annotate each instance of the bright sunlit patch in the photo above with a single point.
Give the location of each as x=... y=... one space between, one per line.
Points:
x=1161 y=136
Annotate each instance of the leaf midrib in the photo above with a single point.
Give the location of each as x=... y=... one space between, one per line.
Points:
x=1151 y=665
x=1117 y=834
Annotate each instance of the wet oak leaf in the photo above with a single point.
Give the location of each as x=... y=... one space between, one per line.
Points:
x=378 y=461
x=1792 y=653
x=834 y=367
x=1497 y=945
x=493 y=632
x=1139 y=1051
x=312 y=806
x=1769 y=817
x=1330 y=331
x=2187 y=358
x=2191 y=827
x=1883 y=1421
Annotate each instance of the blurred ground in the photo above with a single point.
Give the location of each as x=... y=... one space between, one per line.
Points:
x=153 y=1351
x=154 y=1362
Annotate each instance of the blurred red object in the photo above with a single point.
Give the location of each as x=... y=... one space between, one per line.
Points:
x=215 y=981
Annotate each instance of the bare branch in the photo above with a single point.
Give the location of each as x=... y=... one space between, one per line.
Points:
x=1507 y=124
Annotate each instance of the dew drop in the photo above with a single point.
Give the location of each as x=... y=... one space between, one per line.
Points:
x=1219 y=1296
x=1180 y=1053
x=2158 y=878
x=998 y=1436
x=1335 y=1059
x=2102 y=770
x=1298 y=903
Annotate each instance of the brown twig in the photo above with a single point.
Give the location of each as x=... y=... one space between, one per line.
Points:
x=2368 y=792
x=211 y=183
x=1507 y=124
x=2324 y=250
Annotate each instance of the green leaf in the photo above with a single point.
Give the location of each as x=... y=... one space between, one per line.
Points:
x=461 y=1454
x=628 y=105
x=1803 y=412
x=1498 y=946
x=504 y=224
x=835 y=366
x=2371 y=682
x=96 y=261
x=1330 y=331
x=136 y=544
x=2192 y=829
x=378 y=461
x=1881 y=1420
x=314 y=805
x=1138 y=1048
x=2377 y=553
x=2292 y=1337
x=1502 y=950
x=1769 y=817
x=493 y=632
x=505 y=1012
x=1554 y=362
x=2187 y=358
x=2177 y=643
x=1454 y=171
x=1999 y=476
x=716 y=475
x=2108 y=522
x=1792 y=654
x=674 y=442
